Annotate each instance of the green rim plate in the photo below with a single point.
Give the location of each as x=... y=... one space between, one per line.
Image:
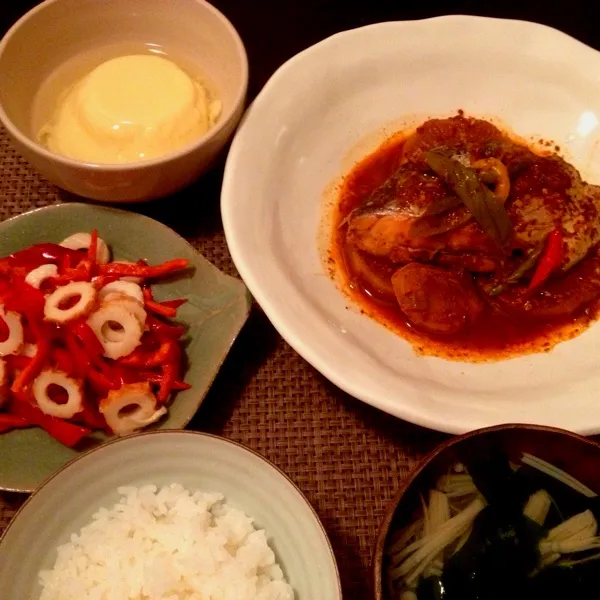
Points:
x=217 y=308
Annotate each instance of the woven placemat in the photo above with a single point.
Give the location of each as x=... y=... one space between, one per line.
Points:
x=345 y=456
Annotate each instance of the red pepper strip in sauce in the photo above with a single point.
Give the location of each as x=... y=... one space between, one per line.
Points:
x=127 y=269
x=90 y=417
x=168 y=308
x=168 y=379
x=65 y=264
x=15 y=361
x=156 y=307
x=180 y=385
x=170 y=372
x=163 y=330
x=99 y=281
x=79 y=273
x=92 y=250
x=130 y=375
x=174 y=303
x=9 y=422
x=5 y=267
x=62 y=431
x=140 y=358
x=160 y=309
x=32 y=370
x=135 y=376
x=104 y=377
x=26 y=300
x=101 y=382
x=64 y=361
x=81 y=362
x=4 y=286
x=549 y=261
x=84 y=333
x=42 y=254
x=88 y=352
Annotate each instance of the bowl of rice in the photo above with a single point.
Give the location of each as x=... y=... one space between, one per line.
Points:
x=168 y=515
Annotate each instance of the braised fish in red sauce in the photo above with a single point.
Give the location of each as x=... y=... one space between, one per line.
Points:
x=468 y=243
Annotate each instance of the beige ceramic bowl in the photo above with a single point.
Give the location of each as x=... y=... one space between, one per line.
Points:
x=58 y=31
x=68 y=500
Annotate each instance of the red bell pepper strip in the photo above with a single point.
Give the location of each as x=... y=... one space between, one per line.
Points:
x=79 y=273
x=174 y=303
x=170 y=373
x=26 y=300
x=9 y=422
x=168 y=379
x=32 y=370
x=17 y=362
x=137 y=375
x=64 y=432
x=126 y=269
x=90 y=417
x=549 y=261
x=160 y=309
x=139 y=358
x=101 y=383
x=163 y=330
x=180 y=385
x=87 y=337
x=81 y=362
x=92 y=250
x=86 y=349
x=64 y=360
x=168 y=308
x=156 y=307
x=65 y=264
x=40 y=254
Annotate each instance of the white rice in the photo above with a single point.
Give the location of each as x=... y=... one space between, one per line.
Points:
x=166 y=544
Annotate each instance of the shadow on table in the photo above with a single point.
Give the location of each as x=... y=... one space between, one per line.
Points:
x=257 y=340
x=400 y=433
x=192 y=212
x=406 y=440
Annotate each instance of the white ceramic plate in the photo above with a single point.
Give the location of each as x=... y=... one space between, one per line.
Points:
x=197 y=461
x=331 y=105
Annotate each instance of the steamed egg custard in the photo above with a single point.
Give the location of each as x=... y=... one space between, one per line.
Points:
x=128 y=109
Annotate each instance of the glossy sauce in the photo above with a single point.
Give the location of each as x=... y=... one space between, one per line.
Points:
x=495 y=335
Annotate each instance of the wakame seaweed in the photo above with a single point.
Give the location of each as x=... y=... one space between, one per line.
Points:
x=560 y=583
x=431 y=588
x=500 y=553
x=566 y=501
x=498 y=483
x=498 y=539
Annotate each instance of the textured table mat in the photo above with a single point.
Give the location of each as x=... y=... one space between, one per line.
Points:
x=345 y=456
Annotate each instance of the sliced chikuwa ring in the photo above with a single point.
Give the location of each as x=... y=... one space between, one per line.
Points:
x=127 y=288
x=71 y=407
x=37 y=276
x=121 y=345
x=82 y=241
x=86 y=300
x=131 y=407
x=14 y=341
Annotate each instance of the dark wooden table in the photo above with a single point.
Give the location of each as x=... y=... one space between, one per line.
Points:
x=347 y=457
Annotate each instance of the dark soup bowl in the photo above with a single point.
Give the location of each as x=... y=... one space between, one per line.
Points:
x=504 y=512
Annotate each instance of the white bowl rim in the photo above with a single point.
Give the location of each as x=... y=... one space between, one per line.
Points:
x=33 y=146
x=266 y=299
x=181 y=432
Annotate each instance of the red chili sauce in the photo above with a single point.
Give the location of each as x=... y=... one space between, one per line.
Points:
x=496 y=333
